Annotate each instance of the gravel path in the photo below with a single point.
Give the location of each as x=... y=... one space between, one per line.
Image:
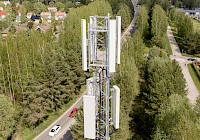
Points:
x=192 y=91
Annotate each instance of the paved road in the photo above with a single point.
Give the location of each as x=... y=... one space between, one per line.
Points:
x=132 y=27
x=64 y=120
x=193 y=93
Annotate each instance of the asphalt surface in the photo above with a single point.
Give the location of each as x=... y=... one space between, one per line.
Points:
x=64 y=120
x=192 y=92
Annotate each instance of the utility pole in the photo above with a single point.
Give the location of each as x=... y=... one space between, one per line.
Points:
x=103 y=43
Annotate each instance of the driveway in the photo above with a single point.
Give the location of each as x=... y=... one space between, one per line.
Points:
x=192 y=92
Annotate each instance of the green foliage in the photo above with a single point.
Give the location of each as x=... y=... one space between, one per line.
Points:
x=7 y=117
x=51 y=4
x=38 y=8
x=176 y=120
x=77 y=129
x=2 y=4
x=3 y=25
x=142 y=21
x=184 y=25
x=188 y=39
x=125 y=13
x=186 y=3
x=157 y=52
x=162 y=76
x=28 y=5
x=60 y=6
x=191 y=43
x=12 y=29
x=136 y=49
x=69 y=4
x=158 y=22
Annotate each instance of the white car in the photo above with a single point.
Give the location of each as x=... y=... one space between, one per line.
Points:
x=54 y=130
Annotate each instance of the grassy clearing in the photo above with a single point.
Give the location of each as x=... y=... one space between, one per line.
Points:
x=28 y=134
x=196 y=25
x=194 y=76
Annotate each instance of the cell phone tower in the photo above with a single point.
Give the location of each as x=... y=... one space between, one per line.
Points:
x=103 y=47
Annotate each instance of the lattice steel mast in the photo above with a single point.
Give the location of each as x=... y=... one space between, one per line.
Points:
x=102 y=35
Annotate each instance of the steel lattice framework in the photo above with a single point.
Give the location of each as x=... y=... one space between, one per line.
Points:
x=99 y=65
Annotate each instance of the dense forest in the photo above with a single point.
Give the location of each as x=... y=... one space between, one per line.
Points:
x=165 y=4
x=187 y=38
x=155 y=105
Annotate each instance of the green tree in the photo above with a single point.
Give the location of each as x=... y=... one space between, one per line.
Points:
x=191 y=43
x=60 y=6
x=77 y=129
x=176 y=120
x=39 y=7
x=12 y=29
x=28 y=5
x=165 y=5
x=158 y=22
x=7 y=116
x=51 y=4
x=2 y=4
x=125 y=13
x=142 y=21
x=184 y=25
x=69 y=4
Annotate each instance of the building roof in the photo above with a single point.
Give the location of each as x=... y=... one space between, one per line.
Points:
x=45 y=13
x=35 y=17
x=18 y=29
x=54 y=9
x=42 y=27
x=60 y=14
x=2 y=13
x=29 y=13
x=189 y=11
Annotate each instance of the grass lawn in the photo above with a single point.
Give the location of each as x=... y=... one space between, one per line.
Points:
x=196 y=25
x=28 y=134
x=194 y=76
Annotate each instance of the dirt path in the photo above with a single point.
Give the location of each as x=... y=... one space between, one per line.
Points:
x=192 y=91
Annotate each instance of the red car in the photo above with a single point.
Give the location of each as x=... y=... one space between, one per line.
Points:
x=75 y=110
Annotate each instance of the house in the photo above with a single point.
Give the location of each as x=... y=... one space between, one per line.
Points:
x=7 y=2
x=36 y=19
x=192 y=13
x=197 y=64
x=28 y=15
x=46 y=15
x=52 y=9
x=60 y=15
x=2 y=15
x=42 y=28
x=6 y=31
x=1 y=8
x=18 y=18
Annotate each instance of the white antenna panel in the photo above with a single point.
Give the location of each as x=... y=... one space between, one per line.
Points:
x=89 y=117
x=118 y=38
x=91 y=45
x=90 y=84
x=115 y=105
x=112 y=45
x=84 y=45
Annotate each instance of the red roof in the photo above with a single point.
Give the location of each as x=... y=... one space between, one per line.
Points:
x=60 y=14
x=2 y=13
